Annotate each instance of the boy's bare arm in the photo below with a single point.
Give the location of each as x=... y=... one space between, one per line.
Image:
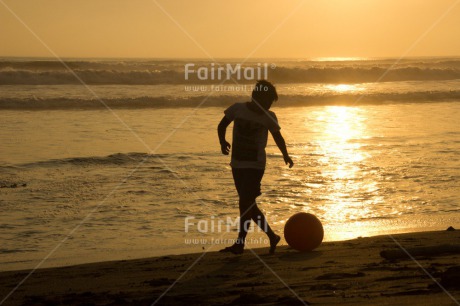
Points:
x=221 y=129
x=279 y=140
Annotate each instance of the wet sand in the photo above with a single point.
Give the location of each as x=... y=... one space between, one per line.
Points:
x=337 y=273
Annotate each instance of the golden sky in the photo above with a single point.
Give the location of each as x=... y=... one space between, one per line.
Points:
x=237 y=29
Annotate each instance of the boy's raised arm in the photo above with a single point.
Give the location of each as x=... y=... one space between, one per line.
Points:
x=221 y=129
x=279 y=140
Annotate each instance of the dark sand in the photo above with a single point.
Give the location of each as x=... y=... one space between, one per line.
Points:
x=337 y=273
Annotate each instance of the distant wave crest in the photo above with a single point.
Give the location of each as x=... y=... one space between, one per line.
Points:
x=113 y=159
x=158 y=72
x=362 y=75
x=225 y=100
x=90 y=77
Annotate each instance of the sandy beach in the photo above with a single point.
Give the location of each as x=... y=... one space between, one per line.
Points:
x=349 y=272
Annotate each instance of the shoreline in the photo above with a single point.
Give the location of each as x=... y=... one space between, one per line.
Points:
x=351 y=231
x=341 y=272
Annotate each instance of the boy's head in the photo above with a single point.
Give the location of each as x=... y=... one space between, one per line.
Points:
x=264 y=94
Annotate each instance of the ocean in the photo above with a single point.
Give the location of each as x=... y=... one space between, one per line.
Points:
x=105 y=159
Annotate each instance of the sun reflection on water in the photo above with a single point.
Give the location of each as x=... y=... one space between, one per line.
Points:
x=343 y=88
x=348 y=193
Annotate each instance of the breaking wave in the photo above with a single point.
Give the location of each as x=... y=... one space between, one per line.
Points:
x=172 y=72
x=112 y=159
x=225 y=100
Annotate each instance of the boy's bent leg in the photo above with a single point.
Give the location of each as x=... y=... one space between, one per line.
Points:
x=273 y=243
x=261 y=221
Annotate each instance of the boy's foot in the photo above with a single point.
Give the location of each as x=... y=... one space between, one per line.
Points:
x=235 y=249
x=273 y=243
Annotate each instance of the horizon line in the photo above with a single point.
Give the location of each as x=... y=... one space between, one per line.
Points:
x=314 y=58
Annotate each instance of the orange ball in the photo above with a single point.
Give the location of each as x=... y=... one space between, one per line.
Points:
x=303 y=232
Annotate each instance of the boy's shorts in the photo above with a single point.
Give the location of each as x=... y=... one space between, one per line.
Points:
x=247 y=182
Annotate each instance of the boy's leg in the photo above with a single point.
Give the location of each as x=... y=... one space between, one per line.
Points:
x=245 y=220
x=261 y=221
x=247 y=183
x=246 y=209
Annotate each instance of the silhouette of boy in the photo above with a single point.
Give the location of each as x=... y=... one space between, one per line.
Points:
x=253 y=120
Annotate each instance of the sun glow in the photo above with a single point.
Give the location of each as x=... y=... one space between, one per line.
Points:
x=343 y=124
x=342 y=88
x=339 y=59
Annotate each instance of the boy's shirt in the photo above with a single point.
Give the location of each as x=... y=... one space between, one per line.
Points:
x=250 y=133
